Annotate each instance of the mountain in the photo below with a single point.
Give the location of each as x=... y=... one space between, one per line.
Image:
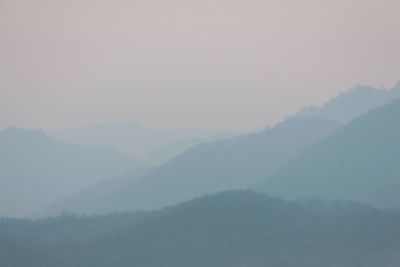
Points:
x=162 y=154
x=211 y=167
x=152 y=146
x=36 y=170
x=352 y=103
x=229 y=229
x=108 y=195
x=359 y=162
x=226 y=164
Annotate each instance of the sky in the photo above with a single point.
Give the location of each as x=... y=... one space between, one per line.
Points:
x=231 y=64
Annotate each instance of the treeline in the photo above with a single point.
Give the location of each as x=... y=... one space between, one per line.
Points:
x=236 y=228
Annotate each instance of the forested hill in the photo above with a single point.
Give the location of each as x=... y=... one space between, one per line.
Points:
x=229 y=229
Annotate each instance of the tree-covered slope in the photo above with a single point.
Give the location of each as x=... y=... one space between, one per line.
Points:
x=229 y=229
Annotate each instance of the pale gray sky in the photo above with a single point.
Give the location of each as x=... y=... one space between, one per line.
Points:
x=185 y=63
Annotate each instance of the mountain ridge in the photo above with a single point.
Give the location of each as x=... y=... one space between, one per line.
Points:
x=227 y=229
x=216 y=166
x=35 y=169
x=357 y=162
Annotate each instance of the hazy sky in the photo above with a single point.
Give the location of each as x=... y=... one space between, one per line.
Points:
x=188 y=64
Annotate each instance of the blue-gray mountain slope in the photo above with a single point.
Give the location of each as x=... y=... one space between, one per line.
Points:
x=211 y=167
x=36 y=170
x=358 y=162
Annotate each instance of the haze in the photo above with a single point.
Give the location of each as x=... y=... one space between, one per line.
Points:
x=187 y=64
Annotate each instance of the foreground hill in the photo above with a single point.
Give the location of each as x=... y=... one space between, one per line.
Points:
x=231 y=164
x=36 y=170
x=358 y=162
x=229 y=229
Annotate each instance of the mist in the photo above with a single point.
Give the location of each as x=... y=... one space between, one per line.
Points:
x=187 y=64
x=199 y=133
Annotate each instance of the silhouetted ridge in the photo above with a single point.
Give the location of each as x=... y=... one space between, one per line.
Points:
x=16 y=135
x=236 y=163
x=36 y=170
x=353 y=103
x=151 y=146
x=228 y=229
x=358 y=162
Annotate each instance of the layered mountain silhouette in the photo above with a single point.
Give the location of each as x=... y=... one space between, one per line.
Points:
x=36 y=170
x=228 y=164
x=358 y=162
x=150 y=146
x=210 y=167
x=353 y=103
x=229 y=229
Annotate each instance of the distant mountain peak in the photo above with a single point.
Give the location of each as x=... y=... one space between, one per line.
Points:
x=357 y=162
x=36 y=170
x=396 y=89
x=352 y=103
x=15 y=133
